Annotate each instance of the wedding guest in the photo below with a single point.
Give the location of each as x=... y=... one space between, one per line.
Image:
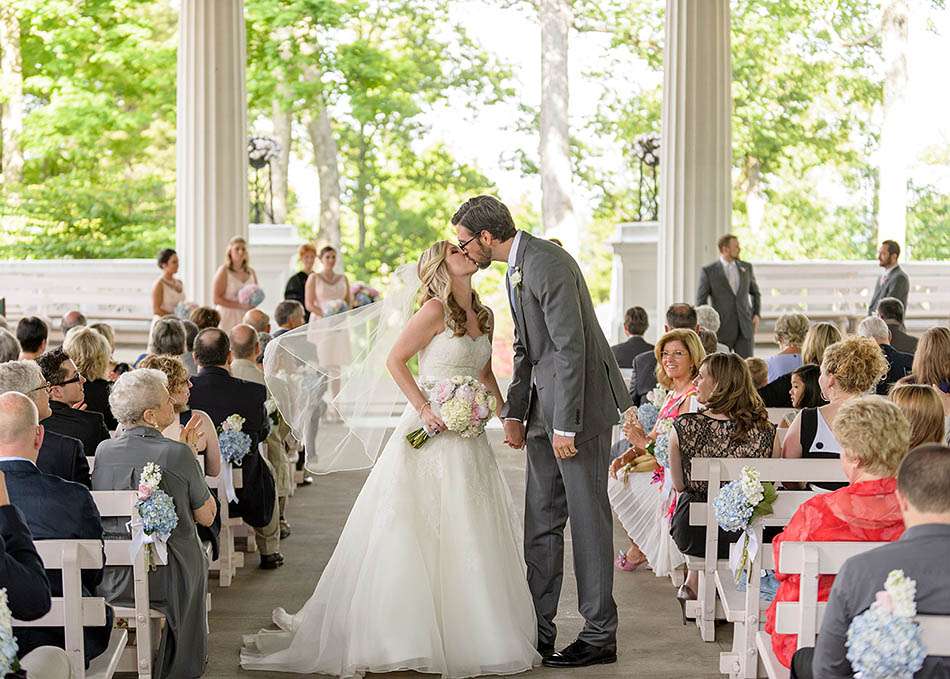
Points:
x=876 y=436
x=234 y=274
x=33 y=335
x=921 y=406
x=72 y=319
x=635 y=324
x=922 y=553
x=205 y=317
x=708 y=318
x=891 y=311
x=899 y=364
x=325 y=291
x=790 y=331
x=66 y=398
x=850 y=369
x=643 y=379
x=9 y=346
x=188 y=358
x=106 y=331
x=257 y=319
x=54 y=509
x=894 y=281
x=91 y=353
x=167 y=337
x=732 y=423
x=144 y=408
x=759 y=370
x=708 y=339
x=296 y=285
x=804 y=392
x=59 y=455
x=288 y=315
x=167 y=291
x=21 y=569
x=730 y=285
x=932 y=366
x=819 y=337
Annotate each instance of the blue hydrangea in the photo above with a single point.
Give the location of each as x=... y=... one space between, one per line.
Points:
x=884 y=646
x=158 y=513
x=647 y=414
x=661 y=450
x=8 y=651
x=733 y=511
x=234 y=446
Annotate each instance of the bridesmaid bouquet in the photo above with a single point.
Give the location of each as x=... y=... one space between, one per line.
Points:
x=884 y=642
x=462 y=402
x=362 y=295
x=157 y=517
x=739 y=505
x=251 y=294
x=183 y=310
x=334 y=307
x=8 y=646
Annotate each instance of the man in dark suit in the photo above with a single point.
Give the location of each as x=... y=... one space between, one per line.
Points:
x=220 y=395
x=54 y=509
x=894 y=281
x=891 y=311
x=730 y=285
x=66 y=396
x=60 y=455
x=21 y=569
x=899 y=364
x=635 y=323
x=643 y=379
x=288 y=315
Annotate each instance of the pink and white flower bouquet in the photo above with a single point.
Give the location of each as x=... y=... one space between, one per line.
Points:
x=251 y=294
x=463 y=403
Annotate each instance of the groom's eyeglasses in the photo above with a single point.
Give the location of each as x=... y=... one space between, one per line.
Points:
x=464 y=244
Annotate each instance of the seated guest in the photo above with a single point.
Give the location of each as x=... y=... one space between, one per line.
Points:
x=60 y=455
x=849 y=370
x=899 y=364
x=643 y=379
x=289 y=315
x=188 y=358
x=245 y=348
x=876 y=435
x=819 y=337
x=635 y=323
x=708 y=318
x=732 y=423
x=932 y=366
x=205 y=317
x=144 y=408
x=891 y=311
x=33 y=334
x=922 y=553
x=91 y=353
x=106 y=331
x=9 y=346
x=257 y=319
x=167 y=337
x=66 y=397
x=805 y=391
x=790 y=332
x=708 y=339
x=759 y=370
x=54 y=509
x=72 y=319
x=21 y=568
x=922 y=407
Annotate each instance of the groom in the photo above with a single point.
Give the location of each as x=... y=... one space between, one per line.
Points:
x=569 y=392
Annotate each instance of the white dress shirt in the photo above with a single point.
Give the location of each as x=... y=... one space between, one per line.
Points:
x=732 y=273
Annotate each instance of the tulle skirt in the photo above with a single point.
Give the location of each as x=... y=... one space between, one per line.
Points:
x=643 y=510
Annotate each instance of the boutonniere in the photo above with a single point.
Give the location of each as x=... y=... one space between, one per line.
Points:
x=515 y=277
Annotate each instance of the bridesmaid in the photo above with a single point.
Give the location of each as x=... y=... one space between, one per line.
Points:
x=168 y=290
x=297 y=284
x=323 y=288
x=234 y=274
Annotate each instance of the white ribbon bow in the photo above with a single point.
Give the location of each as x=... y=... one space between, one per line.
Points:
x=139 y=539
x=742 y=555
x=227 y=477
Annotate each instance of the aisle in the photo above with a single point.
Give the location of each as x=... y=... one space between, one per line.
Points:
x=652 y=641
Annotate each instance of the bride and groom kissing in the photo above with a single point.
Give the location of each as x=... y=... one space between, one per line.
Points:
x=431 y=573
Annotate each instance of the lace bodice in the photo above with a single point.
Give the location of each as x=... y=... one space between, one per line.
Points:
x=448 y=356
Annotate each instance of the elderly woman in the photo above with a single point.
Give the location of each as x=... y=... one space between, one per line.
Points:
x=144 y=408
x=641 y=506
x=91 y=353
x=876 y=436
x=708 y=319
x=790 y=331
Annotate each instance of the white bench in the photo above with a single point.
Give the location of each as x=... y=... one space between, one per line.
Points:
x=73 y=611
x=777 y=415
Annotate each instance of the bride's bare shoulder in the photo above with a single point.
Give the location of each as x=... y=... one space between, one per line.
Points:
x=431 y=314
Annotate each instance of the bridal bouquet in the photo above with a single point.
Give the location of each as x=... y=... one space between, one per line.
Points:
x=463 y=403
x=156 y=517
x=739 y=505
x=251 y=294
x=884 y=642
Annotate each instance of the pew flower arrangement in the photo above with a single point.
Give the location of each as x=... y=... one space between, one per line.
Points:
x=884 y=642
x=739 y=505
x=156 y=517
x=234 y=443
x=8 y=646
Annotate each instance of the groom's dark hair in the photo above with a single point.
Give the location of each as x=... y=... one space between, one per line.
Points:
x=485 y=213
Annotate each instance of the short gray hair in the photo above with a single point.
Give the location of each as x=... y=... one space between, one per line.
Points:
x=17 y=414
x=20 y=376
x=167 y=337
x=9 y=346
x=708 y=318
x=135 y=392
x=791 y=328
x=875 y=328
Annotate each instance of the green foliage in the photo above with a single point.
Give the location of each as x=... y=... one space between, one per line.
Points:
x=928 y=223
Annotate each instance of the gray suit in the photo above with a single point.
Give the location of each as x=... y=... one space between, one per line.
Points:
x=894 y=284
x=736 y=309
x=566 y=379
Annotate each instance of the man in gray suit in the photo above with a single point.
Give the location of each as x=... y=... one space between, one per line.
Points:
x=922 y=552
x=729 y=285
x=893 y=282
x=565 y=396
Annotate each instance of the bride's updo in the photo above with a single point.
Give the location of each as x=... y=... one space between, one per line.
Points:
x=436 y=283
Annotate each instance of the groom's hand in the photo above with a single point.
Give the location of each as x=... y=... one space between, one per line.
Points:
x=514 y=433
x=563 y=446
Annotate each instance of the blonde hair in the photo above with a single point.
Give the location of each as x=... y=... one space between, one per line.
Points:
x=932 y=358
x=856 y=362
x=693 y=345
x=818 y=338
x=89 y=350
x=759 y=371
x=874 y=433
x=791 y=329
x=923 y=409
x=171 y=366
x=227 y=254
x=436 y=283
x=106 y=331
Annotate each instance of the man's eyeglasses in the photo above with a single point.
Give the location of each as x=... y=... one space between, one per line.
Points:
x=46 y=385
x=464 y=244
x=76 y=378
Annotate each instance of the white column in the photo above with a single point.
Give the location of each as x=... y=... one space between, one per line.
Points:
x=211 y=175
x=695 y=156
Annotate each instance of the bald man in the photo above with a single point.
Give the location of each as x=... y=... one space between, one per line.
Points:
x=257 y=319
x=72 y=319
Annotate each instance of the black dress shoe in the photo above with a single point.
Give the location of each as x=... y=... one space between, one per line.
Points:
x=545 y=649
x=582 y=654
x=284 y=532
x=271 y=561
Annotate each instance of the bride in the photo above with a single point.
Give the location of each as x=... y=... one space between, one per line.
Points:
x=428 y=574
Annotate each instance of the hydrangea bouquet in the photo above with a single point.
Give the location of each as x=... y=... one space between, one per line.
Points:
x=362 y=294
x=183 y=310
x=739 y=505
x=157 y=517
x=462 y=402
x=8 y=646
x=884 y=642
x=251 y=294
x=334 y=307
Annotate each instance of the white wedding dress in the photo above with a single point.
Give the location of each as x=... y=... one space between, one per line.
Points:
x=429 y=573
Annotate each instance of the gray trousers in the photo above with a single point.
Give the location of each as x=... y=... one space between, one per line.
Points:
x=556 y=490
x=742 y=346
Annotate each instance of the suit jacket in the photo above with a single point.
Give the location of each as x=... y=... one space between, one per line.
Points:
x=63 y=456
x=96 y=396
x=894 y=284
x=899 y=364
x=775 y=393
x=578 y=384
x=900 y=340
x=21 y=569
x=88 y=427
x=220 y=395
x=625 y=352
x=643 y=379
x=55 y=509
x=922 y=552
x=735 y=309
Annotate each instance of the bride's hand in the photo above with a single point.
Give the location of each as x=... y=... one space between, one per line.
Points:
x=432 y=421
